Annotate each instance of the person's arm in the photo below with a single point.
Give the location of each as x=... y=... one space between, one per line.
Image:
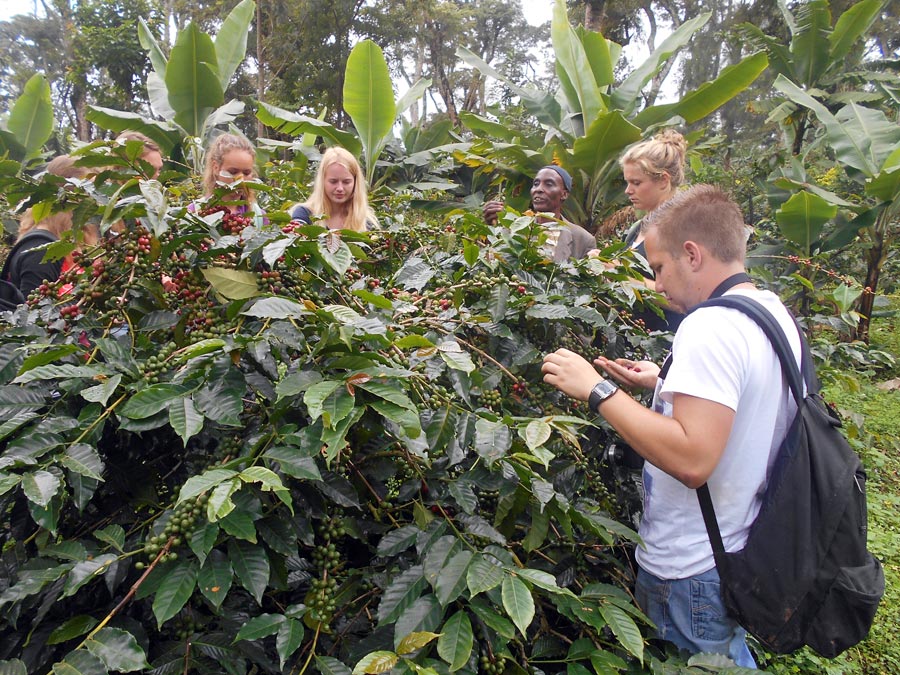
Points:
x=302 y=214
x=687 y=446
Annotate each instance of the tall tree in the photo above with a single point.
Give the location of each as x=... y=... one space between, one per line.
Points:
x=423 y=40
x=87 y=49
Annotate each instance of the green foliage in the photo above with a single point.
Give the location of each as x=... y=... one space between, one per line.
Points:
x=187 y=88
x=30 y=122
x=593 y=118
x=292 y=443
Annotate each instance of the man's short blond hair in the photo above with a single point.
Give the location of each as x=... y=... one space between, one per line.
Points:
x=703 y=214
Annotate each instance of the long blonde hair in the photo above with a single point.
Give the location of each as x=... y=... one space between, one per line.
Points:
x=662 y=154
x=359 y=212
x=215 y=154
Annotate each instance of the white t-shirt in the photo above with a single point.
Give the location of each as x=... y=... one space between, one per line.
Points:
x=721 y=355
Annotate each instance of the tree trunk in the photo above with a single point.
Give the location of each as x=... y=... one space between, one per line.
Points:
x=875 y=257
x=260 y=67
x=594 y=15
x=78 y=99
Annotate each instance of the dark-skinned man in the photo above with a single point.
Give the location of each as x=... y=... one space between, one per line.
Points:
x=549 y=190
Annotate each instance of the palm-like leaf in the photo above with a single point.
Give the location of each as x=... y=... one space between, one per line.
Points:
x=369 y=100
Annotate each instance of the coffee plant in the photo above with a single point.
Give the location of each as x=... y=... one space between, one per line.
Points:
x=241 y=448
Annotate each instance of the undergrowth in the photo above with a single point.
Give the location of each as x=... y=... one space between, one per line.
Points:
x=872 y=421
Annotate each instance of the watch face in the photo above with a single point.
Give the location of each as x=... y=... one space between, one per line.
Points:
x=605 y=388
x=601 y=391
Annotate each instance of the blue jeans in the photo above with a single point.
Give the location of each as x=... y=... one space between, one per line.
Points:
x=689 y=613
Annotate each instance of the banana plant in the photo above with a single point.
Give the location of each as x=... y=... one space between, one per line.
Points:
x=587 y=124
x=30 y=123
x=368 y=100
x=187 y=88
x=815 y=59
x=866 y=145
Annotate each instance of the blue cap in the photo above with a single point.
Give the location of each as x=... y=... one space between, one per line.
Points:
x=566 y=178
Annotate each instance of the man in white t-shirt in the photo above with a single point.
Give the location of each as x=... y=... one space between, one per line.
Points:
x=718 y=417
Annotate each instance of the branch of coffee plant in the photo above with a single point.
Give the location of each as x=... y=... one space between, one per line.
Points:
x=128 y=596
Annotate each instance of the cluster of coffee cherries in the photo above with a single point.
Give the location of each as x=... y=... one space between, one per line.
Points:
x=439 y=397
x=185 y=626
x=488 y=500
x=231 y=223
x=203 y=319
x=492 y=398
x=156 y=365
x=491 y=665
x=135 y=247
x=327 y=558
x=184 y=519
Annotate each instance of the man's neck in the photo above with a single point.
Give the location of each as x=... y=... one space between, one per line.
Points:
x=726 y=277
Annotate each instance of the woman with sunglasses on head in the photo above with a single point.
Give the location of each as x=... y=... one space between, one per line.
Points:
x=231 y=158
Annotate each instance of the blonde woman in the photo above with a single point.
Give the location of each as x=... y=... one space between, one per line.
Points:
x=653 y=171
x=25 y=267
x=339 y=194
x=231 y=158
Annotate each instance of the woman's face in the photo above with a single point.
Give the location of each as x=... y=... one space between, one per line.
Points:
x=235 y=165
x=339 y=184
x=646 y=192
x=154 y=159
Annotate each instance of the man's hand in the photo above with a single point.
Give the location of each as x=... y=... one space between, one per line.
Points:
x=491 y=210
x=640 y=374
x=570 y=373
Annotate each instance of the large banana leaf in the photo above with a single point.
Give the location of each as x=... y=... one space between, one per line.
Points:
x=779 y=55
x=413 y=94
x=164 y=134
x=293 y=124
x=627 y=96
x=708 y=96
x=602 y=55
x=369 y=100
x=607 y=136
x=148 y=42
x=802 y=217
x=231 y=40
x=573 y=68
x=31 y=118
x=886 y=185
x=810 y=47
x=860 y=137
x=851 y=26
x=481 y=126
x=192 y=79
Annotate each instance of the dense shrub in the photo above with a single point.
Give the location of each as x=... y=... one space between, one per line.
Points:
x=234 y=448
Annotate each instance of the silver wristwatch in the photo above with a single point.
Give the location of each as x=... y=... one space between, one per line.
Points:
x=601 y=391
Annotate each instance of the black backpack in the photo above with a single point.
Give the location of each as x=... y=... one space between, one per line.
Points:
x=805 y=576
x=10 y=295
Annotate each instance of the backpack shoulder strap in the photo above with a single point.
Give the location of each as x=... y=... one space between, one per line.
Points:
x=795 y=378
x=767 y=323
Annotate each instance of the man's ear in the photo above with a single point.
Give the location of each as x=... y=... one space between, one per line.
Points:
x=565 y=195
x=694 y=253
